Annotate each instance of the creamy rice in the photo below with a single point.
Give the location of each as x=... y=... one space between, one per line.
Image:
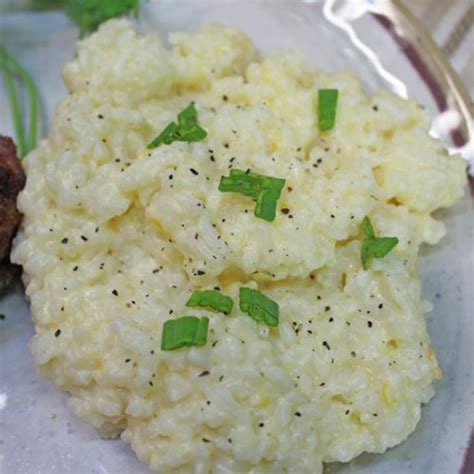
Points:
x=116 y=237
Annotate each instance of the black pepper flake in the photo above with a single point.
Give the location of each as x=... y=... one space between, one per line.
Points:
x=225 y=98
x=327 y=308
x=152 y=352
x=115 y=292
x=375 y=414
x=57 y=332
x=84 y=238
x=326 y=345
x=369 y=323
x=309 y=331
x=331 y=319
x=201 y=272
x=127 y=360
x=208 y=402
x=75 y=268
x=380 y=305
x=96 y=230
x=214 y=344
x=375 y=108
x=150 y=383
x=2 y=317
x=285 y=211
x=297 y=413
x=322 y=384
x=193 y=171
x=203 y=374
x=229 y=440
x=261 y=425
x=205 y=440
x=353 y=354
x=65 y=241
x=196 y=236
x=347 y=412
x=221 y=378
x=100 y=116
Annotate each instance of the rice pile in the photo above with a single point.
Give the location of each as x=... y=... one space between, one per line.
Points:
x=116 y=237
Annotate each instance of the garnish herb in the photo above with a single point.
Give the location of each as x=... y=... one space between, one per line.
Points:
x=258 y=306
x=89 y=14
x=367 y=228
x=11 y=70
x=184 y=331
x=264 y=189
x=186 y=130
x=372 y=246
x=211 y=299
x=327 y=104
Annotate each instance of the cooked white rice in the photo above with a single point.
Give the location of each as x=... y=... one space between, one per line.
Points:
x=114 y=236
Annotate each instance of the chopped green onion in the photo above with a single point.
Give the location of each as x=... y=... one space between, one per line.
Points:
x=9 y=67
x=367 y=228
x=258 y=306
x=238 y=181
x=265 y=189
x=89 y=14
x=167 y=136
x=267 y=199
x=184 y=331
x=374 y=247
x=186 y=130
x=327 y=104
x=211 y=299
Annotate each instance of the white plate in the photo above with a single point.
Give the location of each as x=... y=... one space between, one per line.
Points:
x=38 y=435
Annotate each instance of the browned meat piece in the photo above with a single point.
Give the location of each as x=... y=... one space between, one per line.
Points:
x=12 y=180
x=8 y=273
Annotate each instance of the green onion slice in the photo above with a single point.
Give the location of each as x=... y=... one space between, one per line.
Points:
x=327 y=104
x=367 y=228
x=265 y=189
x=267 y=199
x=258 y=306
x=211 y=299
x=186 y=130
x=372 y=246
x=184 y=331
